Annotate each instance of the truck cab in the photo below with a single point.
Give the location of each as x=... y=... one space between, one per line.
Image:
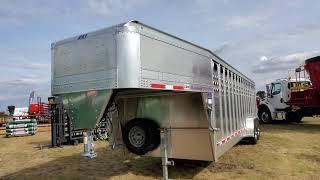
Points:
x=275 y=106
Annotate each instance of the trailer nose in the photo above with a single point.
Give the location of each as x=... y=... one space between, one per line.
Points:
x=85 y=109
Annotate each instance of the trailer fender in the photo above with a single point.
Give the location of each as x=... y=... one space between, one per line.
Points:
x=252 y=130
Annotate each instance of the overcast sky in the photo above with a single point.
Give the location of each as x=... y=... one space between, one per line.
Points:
x=260 y=38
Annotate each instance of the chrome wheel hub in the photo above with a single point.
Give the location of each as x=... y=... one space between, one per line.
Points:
x=137 y=136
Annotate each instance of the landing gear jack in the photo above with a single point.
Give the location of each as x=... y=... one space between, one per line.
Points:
x=88 y=150
x=164 y=153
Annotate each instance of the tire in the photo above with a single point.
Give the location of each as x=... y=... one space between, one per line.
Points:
x=141 y=136
x=264 y=115
x=256 y=137
x=294 y=117
x=298 y=120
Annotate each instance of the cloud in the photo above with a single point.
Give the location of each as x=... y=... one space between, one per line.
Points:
x=22 y=71
x=14 y=83
x=282 y=63
x=15 y=91
x=15 y=13
x=234 y=14
x=222 y=48
x=263 y=58
x=246 y=21
x=25 y=59
x=26 y=65
x=113 y=7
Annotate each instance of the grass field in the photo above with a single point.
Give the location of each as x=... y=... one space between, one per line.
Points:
x=285 y=151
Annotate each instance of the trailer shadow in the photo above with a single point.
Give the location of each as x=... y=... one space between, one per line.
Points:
x=108 y=164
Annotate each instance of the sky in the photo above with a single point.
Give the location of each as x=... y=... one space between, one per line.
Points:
x=262 y=39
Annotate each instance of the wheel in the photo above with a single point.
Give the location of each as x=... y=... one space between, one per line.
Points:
x=297 y=118
x=256 y=134
x=141 y=136
x=264 y=115
x=95 y=138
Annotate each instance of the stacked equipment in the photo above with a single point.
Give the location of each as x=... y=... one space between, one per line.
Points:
x=21 y=127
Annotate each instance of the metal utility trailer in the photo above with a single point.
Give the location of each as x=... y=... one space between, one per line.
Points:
x=164 y=96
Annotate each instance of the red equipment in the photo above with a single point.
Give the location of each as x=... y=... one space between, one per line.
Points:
x=313 y=68
x=38 y=109
x=309 y=97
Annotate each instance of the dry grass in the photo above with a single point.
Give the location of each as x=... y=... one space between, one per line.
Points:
x=285 y=151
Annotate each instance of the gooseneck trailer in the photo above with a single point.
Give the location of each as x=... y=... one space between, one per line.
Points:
x=162 y=95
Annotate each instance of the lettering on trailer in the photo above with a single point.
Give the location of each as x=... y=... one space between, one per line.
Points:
x=83 y=36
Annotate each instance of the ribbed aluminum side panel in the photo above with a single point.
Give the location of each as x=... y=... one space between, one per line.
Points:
x=234 y=102
x=165 y=63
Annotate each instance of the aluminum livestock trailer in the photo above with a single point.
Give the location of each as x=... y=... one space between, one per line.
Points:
x=163 y=96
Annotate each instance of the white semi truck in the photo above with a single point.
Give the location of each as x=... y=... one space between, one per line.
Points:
x=276 y=107
x=165 y=96
x=293 y=98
